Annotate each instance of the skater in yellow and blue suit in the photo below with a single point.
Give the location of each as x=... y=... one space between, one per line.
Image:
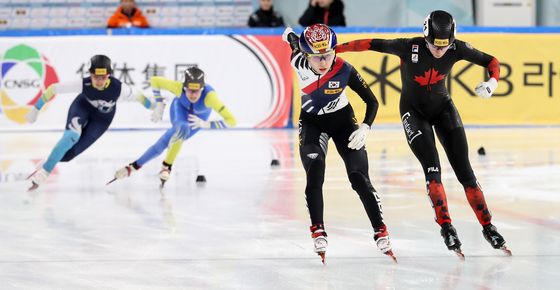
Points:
x=189 y=113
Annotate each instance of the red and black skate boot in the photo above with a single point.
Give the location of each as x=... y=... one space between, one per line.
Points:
x=381 y=237
x=320 y=242
x=451 y=239
x=496 y=240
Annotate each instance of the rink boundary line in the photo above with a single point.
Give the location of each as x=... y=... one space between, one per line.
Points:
x=374 y=128
x=450 y=256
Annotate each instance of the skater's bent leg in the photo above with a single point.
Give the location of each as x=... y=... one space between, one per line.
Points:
x=454 y=142
x=421 y=141
x=157 y=148
x=174 y=148
x=69 y=139
x=93 y=130
x=357 y=169
x=172 y=152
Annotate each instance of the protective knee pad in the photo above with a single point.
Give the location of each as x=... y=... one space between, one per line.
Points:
x=360 y=182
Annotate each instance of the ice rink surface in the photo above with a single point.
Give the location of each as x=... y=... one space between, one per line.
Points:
x=248 y=226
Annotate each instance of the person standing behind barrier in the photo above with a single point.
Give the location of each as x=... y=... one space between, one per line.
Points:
x=425 y=102
x=127 y=15
x=265 y=16
x=329 y=12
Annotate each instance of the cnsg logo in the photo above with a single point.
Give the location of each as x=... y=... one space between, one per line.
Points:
x=24 y=75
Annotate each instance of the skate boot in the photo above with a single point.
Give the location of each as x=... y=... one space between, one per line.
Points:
x=381 y=237
x=451 y=239
x=319 y=240
x=123 y=173
x=164 y=174
x=496 y=240
x=37 y=178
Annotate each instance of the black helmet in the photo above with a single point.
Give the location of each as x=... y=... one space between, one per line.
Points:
x=100 y=65
x=194 y=78
x=439 y=28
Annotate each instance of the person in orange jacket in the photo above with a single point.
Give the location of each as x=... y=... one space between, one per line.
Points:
x=127 y=15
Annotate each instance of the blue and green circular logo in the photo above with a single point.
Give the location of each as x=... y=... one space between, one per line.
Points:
x=24 y=75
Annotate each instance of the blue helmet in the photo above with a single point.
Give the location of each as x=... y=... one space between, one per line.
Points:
x=317 y=38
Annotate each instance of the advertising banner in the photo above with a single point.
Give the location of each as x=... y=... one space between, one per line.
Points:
x=528 y=90
x=250 y=74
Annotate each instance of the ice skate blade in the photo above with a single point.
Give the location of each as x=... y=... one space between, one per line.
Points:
x=162 y=184
x=392 y=255
x=31 y=175
x=506 y=251
x=33 y=187
x=459 y=254
x=322 y=255
x=111 y=181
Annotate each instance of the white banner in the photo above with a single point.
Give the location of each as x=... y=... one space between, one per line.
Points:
x=245 y=80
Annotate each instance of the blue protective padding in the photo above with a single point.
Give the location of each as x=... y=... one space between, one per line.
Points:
x=69 y=138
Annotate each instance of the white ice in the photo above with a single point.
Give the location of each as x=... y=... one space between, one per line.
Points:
x=248 y=227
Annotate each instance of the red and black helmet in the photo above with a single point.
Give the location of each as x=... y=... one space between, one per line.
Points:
x=317 y=38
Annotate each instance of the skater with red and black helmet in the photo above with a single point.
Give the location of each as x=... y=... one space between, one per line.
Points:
x=425 y=102
x=325 y=114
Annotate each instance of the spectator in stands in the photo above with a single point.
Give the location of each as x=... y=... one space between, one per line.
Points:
x=329 y=12
x=265 y=16
x=127 y=15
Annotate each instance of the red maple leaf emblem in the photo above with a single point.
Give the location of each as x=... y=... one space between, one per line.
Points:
x=430 y=77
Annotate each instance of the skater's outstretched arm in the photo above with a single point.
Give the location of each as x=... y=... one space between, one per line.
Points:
x=52 y=90
x=212 y=101
x=471 y=54
x=158 y=83
x=391 y=46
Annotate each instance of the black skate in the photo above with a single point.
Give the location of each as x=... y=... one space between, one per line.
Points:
x=451 y=239
x=496 y=240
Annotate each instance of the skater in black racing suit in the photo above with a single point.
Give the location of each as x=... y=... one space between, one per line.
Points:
x=425 y=103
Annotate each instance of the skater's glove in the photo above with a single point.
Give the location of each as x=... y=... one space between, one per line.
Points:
x=291 y=37
x=486 y=89
x=157 y=114
x=287 y=32
x=358 y=137
x=31 y=116
x=195 y=122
